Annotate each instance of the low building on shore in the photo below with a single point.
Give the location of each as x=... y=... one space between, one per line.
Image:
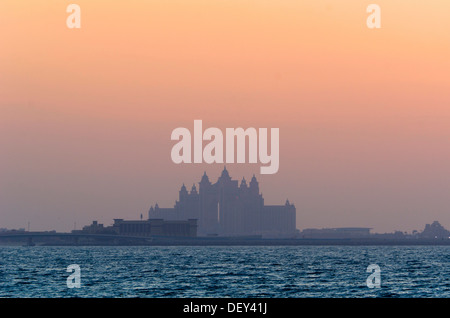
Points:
x=144 y=228
x=156 y=227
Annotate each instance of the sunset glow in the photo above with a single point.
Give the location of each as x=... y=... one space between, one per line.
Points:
x=86 y=114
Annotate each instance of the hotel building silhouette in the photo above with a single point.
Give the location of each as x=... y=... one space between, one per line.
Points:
x=226 y=208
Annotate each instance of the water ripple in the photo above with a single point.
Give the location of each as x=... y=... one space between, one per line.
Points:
x=294 y=271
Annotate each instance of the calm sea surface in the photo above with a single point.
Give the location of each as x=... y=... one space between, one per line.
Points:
x=271 y=272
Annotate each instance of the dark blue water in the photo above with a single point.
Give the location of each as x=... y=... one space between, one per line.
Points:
x=295 y=271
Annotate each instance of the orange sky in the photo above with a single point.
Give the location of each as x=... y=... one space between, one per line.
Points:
x=364 y=114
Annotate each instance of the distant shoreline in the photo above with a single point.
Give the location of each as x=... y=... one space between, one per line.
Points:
x=236 y=241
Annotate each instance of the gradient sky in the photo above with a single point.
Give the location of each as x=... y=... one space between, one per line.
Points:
x=86 y=114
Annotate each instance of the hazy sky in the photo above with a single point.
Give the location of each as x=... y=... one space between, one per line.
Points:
x=86 y=114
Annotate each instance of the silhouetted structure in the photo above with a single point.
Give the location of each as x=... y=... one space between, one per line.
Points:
x=435 y=230
x=95 y=228
x=156 y=227
x=230 y=209
x=143 y=228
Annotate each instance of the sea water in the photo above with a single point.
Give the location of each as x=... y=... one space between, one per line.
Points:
x=217 y=272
